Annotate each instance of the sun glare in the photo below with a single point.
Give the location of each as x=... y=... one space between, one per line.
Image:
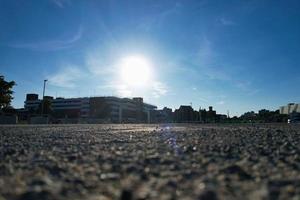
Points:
x=135 y=71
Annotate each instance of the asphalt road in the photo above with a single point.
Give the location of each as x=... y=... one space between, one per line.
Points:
x=100 y=162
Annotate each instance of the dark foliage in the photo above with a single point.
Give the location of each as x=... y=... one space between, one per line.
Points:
x=5 y=92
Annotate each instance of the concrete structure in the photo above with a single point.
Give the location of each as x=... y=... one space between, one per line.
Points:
x=163 y=116
x=32 y=102
x=39 y=120
x=119 y=110
x=208 y=116
x=70 y=107
x=290 y=108
x=6 y=119
x=109 y=109
x=185 y=114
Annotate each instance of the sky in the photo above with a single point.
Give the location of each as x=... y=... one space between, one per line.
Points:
x=236 y=56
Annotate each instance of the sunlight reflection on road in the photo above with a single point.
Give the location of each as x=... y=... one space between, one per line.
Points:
x=171 y=139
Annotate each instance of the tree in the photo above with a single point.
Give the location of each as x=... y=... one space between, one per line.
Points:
x=5 y=92
x=249 y=116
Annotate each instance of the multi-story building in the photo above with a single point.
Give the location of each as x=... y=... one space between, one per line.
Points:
x=113 y=109
x=163 y=116
x=120 y=109
x=70 y=107
x=32 y=102
x=207 y=116
x=185 y=114
x=290 y=108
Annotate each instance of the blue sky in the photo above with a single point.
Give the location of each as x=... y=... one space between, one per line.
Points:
x=233 y=55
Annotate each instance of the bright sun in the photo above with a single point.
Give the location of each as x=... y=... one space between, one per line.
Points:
x=135 y=71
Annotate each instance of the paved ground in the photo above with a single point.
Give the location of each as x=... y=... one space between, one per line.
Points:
x=97 y=162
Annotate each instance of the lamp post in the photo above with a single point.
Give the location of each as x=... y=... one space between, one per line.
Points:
x=43 y=96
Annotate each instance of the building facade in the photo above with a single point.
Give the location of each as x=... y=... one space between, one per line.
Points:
x=164 y=115
x=109 y=109
x=290 y=108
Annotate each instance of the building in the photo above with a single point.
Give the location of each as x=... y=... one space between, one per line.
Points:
x=109 y=109
x=70 y=107
x=208 y=116
x=61 y=107
x=185 y=114
x=163 y=116
x=188 y=114
x=290 y=108
x=32 y=102
x=121 y=109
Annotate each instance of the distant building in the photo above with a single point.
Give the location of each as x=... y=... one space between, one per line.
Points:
x=163 y=116
x=184 y=114
x=221 y=118
x=111 y=109
x=208 y=116
x=211 y=114
x=188 y=114
x=290 y=108
x=70 y=107
x=32 y=102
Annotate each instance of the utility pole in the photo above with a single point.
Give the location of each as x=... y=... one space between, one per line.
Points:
x=43 y=96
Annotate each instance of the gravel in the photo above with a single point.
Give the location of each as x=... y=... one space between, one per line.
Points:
x=176 y=161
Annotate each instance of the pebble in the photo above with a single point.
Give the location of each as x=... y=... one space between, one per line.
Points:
x=150 y=162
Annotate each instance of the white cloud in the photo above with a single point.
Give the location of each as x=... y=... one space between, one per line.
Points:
x=226 y=22
x=123 y=91
x=67 y=77
x=243 y=85
x=246 y=87
x=118 y=89
x=221 y=102
x=61 y=3
x=159 y=89
x=206 y=58
x=203 y=99
x=49 y=45
x=97 y=66
x=161 y=17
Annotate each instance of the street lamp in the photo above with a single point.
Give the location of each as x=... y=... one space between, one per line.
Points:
x=43 y=96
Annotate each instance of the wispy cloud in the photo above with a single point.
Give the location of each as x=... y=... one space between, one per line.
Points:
x=246 y=86
x=205 y=100
x=97 y=65
x=159 y=18
x=61 y=3
x=121 y=90
x=172 y=10
x=221 y=102
x=159 y=89
x=206 y=63
x=67 y=77
x=49 y=45
x=226 y=22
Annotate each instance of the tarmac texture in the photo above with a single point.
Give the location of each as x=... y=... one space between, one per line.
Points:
x=102 y=162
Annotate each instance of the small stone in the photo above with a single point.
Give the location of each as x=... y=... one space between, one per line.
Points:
x=36 y=195
x=235 y=169
x=208 y=195
x=126 y=195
